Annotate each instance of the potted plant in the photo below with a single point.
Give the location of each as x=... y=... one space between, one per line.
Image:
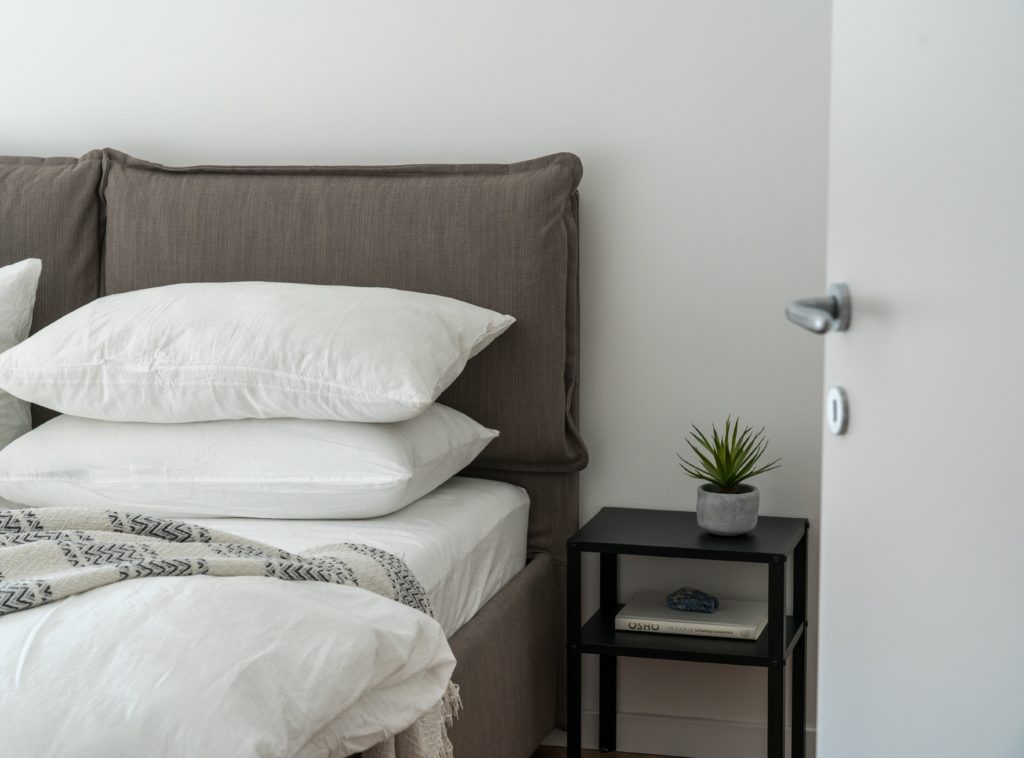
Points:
x=725 y=505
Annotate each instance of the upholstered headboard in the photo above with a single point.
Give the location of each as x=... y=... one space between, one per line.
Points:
x=49 y=209
x=501 y=236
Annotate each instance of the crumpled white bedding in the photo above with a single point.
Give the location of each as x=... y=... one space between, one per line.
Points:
x=463 y=542
x=208 y=666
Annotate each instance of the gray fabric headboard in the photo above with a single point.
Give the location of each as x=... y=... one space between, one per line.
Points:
x=501 y=236
x=50 y=209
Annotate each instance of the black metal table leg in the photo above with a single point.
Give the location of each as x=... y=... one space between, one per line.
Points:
x=777 y=664
x=777 y=709
x=800 y=651
x=799 y=699
x=606 y=725
x=573 y=657
x=608 y=663
x=574 y=713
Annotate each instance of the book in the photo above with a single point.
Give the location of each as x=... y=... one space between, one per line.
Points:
x=647 y=612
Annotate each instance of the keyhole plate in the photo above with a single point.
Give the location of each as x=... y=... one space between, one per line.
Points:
x=837 y=410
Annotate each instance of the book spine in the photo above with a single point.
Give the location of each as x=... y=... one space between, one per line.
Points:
x=682 y=627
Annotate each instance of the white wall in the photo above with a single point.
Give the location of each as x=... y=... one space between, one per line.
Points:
x=702 y=125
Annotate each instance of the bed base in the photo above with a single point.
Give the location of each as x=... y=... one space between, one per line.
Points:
x=506 y=654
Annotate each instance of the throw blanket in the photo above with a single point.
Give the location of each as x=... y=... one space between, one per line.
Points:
x=51 y=553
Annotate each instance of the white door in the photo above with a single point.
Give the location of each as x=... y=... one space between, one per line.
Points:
x=922 y=525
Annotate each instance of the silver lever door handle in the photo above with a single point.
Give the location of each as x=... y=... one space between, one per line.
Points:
x=823 y=314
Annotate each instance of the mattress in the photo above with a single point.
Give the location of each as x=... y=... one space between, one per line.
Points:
x=464 y=541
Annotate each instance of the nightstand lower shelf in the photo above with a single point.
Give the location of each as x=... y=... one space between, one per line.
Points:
x=599 y=636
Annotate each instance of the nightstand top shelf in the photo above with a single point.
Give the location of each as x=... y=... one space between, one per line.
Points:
x=637 y=531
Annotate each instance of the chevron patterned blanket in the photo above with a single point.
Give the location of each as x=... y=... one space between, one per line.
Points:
x=48 y=554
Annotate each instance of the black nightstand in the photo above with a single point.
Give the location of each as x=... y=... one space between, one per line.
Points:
x=675 y=534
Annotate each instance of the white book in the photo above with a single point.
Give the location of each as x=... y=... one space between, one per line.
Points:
x=648 y=612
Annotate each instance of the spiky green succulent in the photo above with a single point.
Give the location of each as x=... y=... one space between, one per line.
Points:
x=727 y=460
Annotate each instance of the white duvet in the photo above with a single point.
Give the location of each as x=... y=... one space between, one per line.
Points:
x=202 y=666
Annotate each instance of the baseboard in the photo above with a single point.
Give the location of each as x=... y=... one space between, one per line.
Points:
x=680 y=736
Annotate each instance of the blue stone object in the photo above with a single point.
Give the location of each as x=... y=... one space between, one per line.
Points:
x=689 y=599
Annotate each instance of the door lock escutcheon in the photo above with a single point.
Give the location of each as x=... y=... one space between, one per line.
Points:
x=837 y=410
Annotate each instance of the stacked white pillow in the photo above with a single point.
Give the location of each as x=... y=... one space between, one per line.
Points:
x=251 y=399
x=18 y=283
x=203 y=352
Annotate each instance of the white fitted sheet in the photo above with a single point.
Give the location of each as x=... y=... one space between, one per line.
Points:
x=464 y=541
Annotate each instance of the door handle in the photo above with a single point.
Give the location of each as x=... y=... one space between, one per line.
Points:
x=823 y=314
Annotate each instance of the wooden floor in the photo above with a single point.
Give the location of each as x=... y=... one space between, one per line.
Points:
x=559 y=752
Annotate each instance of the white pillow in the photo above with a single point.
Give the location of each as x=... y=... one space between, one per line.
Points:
x=18 y=284
x=257 y=468
x=202 y=352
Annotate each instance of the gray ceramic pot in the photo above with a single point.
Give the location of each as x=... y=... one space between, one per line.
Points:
x=727 y=514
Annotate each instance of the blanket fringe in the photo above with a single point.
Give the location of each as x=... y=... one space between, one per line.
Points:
x=451 y=703
x=428 y=736
x=451 y=706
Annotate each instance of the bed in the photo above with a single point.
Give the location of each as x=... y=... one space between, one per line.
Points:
x=501 y=236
